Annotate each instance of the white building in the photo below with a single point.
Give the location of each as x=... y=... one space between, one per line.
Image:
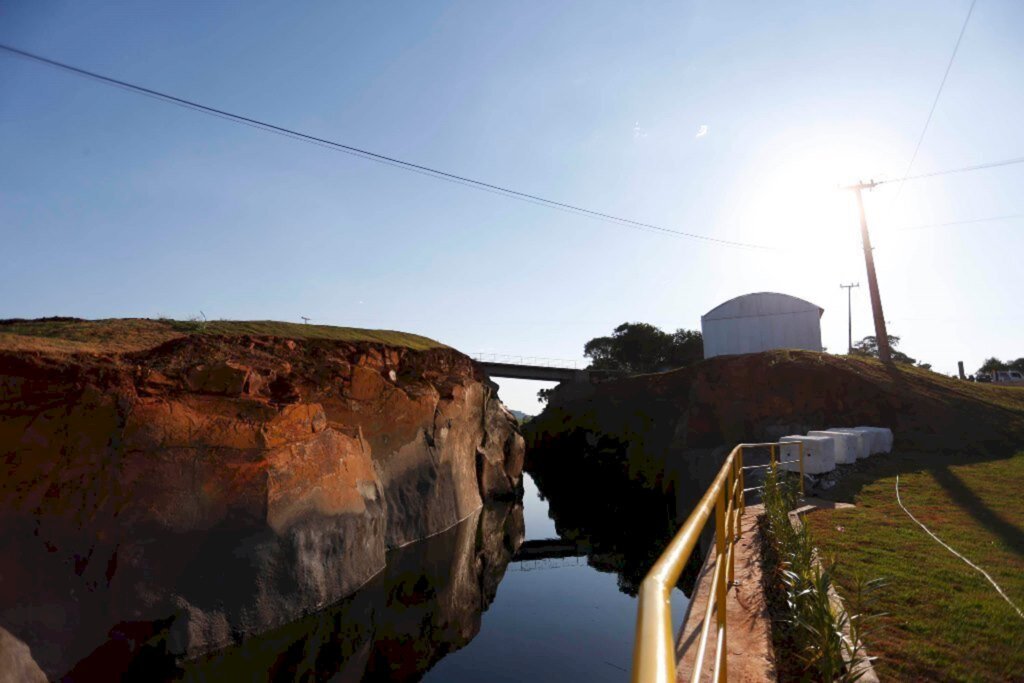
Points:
x=759 y=322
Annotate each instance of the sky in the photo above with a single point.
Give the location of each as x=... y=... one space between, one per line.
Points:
x=736 y=120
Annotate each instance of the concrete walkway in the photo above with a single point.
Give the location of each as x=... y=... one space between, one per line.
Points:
x=749 y=654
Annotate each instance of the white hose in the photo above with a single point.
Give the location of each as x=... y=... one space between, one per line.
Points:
x=944 y=545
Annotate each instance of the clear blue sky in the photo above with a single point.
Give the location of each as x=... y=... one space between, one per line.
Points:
x=113 y=204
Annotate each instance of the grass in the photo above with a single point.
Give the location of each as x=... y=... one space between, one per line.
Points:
x=935 y=385
x=120 y=335
x=943 y=620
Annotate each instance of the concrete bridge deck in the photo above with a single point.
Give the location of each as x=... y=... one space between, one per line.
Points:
x=545 y=373
x=537 y=372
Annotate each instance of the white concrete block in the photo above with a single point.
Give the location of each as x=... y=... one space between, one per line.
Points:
x=872 y=438
x=881 y=438
x=862 y=442
x=819 y=454
x=887 y=439
x=846 y=444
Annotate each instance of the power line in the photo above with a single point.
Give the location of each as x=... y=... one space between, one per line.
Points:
x=966 y=222
x=963 y=169
x=935 y=102
x=373 y=156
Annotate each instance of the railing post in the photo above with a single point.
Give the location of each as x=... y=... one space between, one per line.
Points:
x=730 y=525
x=771 y=458
x=721 y=549
x=743 y=482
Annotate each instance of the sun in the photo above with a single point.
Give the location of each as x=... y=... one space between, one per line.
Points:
x=796 y=196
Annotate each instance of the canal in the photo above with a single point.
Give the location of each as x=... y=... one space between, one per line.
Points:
x=551 y=620
x=465 y=606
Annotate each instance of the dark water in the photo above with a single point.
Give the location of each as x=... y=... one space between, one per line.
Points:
x=537 y=590
x=552 y=620
x=462 y=606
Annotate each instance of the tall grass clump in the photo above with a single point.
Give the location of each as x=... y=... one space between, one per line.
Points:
x=810 y=626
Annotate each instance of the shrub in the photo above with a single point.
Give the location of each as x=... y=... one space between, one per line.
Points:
x=811 y=641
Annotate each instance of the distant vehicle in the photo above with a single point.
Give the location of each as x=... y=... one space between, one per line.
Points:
x=1013 y=378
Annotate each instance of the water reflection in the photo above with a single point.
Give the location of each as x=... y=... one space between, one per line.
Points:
x=559 y=618
x=475 y=603
x=539 y=524
x=485 y=600
x=427 y=603
x=619 y=525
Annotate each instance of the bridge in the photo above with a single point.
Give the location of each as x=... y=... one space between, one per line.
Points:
x=550 y=548
x=540 y=369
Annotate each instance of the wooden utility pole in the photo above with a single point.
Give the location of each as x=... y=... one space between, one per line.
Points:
x=849 y=314
x=881 y=336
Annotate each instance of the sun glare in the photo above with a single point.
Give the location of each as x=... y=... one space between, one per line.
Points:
x=797 y=195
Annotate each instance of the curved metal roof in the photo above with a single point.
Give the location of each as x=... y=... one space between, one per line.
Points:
x=760 y=304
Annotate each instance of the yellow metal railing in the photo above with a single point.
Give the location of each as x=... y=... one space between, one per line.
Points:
x=654 y=658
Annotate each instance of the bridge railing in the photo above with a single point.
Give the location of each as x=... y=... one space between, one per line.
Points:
x=654 y=658
x=562 y=363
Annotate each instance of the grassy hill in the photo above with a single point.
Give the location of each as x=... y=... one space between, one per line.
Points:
x=123 y=335
x=760 y=397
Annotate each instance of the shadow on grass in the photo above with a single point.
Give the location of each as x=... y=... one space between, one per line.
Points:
x=867 y=472
x=968 y=500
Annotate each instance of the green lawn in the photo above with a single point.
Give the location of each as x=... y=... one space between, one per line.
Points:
x=133 y=334
x=944 y=620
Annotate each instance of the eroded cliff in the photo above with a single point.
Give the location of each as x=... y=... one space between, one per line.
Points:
x=223 y=485
x=669 y=432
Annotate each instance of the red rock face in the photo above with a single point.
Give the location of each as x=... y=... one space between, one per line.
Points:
x=230 y=484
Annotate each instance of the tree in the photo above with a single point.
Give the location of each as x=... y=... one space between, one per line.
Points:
x=686 y=348
x=992 y=364
x=544 y=395
x=868 y=346
x=641 y=347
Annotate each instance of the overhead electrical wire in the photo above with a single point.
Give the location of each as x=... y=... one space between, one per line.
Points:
x=935 y=101
x=379 y=158
x=963 y=169
x=965 y=222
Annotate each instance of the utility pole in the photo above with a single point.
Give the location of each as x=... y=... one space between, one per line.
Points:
x=881 y=336
x=849 y=313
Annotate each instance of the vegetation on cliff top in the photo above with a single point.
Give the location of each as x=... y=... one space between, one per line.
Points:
x=868 y=346
x=641 y=347
x=119 y=335
x=728 y=399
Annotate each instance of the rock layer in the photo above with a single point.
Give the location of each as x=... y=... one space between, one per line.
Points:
x=229 y=485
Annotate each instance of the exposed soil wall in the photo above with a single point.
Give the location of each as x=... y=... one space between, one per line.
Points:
x=228 y=484
x=670 y=431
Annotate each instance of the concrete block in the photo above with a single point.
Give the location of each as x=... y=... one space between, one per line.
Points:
x=846 y=445
x=880 y=437
x=819 y=454
x=862 y=442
